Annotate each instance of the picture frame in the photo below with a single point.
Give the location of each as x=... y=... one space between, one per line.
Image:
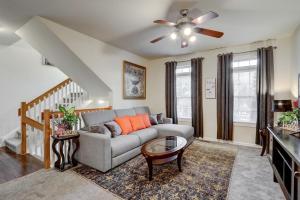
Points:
x=210 y=88
x=134 y=81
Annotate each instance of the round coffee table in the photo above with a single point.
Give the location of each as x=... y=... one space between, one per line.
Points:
x=164 y=150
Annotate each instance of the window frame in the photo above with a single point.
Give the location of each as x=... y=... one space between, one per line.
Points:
x=183 y=74
x=249 y=68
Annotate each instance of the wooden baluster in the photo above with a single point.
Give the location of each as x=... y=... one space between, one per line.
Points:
x=66 y=94
x=47 y=138
x=34 y=112
x=75 y=94
x=23 y=128
x=72 y=93
x=52 y=101
x=60 y=98
x=56 y=100
x=39 y=111
x=79 y=96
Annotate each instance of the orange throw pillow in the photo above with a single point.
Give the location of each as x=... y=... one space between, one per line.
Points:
x=124 y=123
x=137 y=122
x=146 y=120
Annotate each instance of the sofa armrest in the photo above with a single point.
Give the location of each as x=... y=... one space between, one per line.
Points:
x=168 y=120
x=95 y=150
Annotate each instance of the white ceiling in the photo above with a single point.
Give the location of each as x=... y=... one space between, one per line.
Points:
x=127 y=24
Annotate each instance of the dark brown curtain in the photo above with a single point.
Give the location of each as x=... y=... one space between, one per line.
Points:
x=171 y=99
x=196 y=92
x=264 y=84
x=225 y=97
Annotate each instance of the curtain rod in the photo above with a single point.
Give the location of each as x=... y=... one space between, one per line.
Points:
x=251 y=51
x=179 y=61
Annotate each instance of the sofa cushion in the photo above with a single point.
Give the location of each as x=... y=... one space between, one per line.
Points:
x=174 y=130
x=125 y=112
x=146 y=120
x=125 y=124
x=153 y=119
x=137 y=122
x=114 y=128
x=142 y=110
x=97 y=128
x=98 y=117
x=124 y=143
x=146 y=134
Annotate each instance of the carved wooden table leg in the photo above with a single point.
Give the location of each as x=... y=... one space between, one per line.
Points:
x=179 y=158
x=76 y=142
x=68 y=152
x=150 y=166
x=57 y=162
x=61 y=151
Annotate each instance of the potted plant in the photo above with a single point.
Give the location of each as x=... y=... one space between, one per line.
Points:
x=289 y=118
x=68 y=121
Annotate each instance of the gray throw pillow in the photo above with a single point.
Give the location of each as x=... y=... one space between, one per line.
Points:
x=97 y=129
x=114 y=128
x=160 y=118
x=153 y=119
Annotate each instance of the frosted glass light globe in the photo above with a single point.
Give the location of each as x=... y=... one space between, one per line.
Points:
x=187 y=31
x=173 y=36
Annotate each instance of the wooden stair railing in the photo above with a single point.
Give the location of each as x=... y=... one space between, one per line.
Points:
x=45 y=95
x=49 y=100
x=47 y=115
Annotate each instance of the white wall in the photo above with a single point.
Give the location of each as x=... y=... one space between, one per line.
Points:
x=22 y=78
x=104 y=60
x=42 y=38
x=242 y=134
x=295 y=61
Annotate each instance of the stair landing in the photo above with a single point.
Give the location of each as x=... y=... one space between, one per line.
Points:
x=14 y=166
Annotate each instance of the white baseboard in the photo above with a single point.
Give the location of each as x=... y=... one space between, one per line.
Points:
x=230 y=142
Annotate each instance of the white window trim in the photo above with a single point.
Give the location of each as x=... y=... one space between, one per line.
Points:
x=185 y=119
x=249 y=68
x=182 y=74
x=244 y=124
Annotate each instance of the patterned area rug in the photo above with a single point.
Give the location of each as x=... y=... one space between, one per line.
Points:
x=206 y=175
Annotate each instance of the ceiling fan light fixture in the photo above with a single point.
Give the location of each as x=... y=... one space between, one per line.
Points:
x=187 y=31
x=192 y=38
x=184 y=44
x=173 y=36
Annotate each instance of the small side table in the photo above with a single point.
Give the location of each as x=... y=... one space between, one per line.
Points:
x=60 y=163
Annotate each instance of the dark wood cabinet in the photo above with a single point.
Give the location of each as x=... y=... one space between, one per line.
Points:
x=284 y=156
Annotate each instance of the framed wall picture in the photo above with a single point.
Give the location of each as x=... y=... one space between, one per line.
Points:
x=210 y=88
x=134 y=81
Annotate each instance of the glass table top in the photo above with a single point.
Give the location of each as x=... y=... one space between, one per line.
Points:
x=165 y=144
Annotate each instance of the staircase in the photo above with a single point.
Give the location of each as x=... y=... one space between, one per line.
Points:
x=67 y=94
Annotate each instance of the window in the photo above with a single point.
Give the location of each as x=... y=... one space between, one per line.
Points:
x=244 y=82
x=183 y=90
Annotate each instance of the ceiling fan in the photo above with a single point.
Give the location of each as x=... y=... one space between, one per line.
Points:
x=186 y=26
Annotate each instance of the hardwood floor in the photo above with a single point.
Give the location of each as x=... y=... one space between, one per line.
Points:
x=13 y=165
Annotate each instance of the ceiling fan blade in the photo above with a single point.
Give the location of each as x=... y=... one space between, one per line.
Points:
x=164 y=22
x=208 y=32
x=205 y=17
x=158 y=39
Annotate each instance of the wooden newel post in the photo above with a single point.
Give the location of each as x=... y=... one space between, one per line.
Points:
x=47 y=133
x=23 y=128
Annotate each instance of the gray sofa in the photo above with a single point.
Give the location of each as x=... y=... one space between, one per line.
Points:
x=103 y=152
